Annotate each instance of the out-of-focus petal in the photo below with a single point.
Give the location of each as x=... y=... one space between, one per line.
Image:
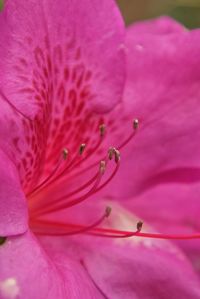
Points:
x=160 y=26
x=163 y=92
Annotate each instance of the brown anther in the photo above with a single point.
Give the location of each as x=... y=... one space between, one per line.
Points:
x=111 y=152
x=65 y=153
x=135 y=123
x=108 y=211
x=3 y=240
x=82 y=148
x=102 y=166
x=117 y=155
x=102 y=129
x=139 y=226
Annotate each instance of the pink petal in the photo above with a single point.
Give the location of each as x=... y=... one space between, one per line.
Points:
x=178 y=207
x=139 y=271
x=128 y=268
x=60 y=59
x=163 y=92
x=27 y=271
x=161 y=26
x=72 y=35
x=13 y=209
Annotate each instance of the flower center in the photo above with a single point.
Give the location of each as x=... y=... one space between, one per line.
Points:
x=70 y=167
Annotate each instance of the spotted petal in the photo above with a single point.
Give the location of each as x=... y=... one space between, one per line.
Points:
x=57 y=65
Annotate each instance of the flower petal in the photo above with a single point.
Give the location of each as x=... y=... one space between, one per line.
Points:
x=22 y=262
x=129 y=268
x=40 y=41
x=178 y=207
x=163 y=92
x=13 y=209
x=57 y=70
x=161 y=26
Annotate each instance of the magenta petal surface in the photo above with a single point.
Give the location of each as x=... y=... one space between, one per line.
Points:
x=178 y=207
x=140 y=271
x=50 y=49
x=56 y=72
x=162 y=91
x=13 y=209
x=131 y=269
x=127 y=268
x=27 y=271
x=161 y=26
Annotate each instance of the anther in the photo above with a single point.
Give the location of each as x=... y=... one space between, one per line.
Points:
x=117 y=156
x=139 y=226
x=102 y=166
x=82 y=148
x=2 y=240
x=111 y=153
x=108 y=211
x=135 y=123
x=65 y=153
x=102 y=129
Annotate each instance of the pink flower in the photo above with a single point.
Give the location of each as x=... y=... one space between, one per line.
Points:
x=163 y=79
x=62 y=73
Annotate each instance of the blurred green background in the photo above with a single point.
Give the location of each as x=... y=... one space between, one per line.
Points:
x=185 y=11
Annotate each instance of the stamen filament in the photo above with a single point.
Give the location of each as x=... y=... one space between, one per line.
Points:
x=121 y=234
x=77 y=157
x=81 y=228
x=59 y=206
x=68 y=195
x=113 y=233
x=110 y=152
x=48 y=179
x=90 y=153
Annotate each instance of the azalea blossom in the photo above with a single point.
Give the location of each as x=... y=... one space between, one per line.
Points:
x=83 y=104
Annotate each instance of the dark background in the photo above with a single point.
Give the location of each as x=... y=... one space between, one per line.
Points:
x=185 y=11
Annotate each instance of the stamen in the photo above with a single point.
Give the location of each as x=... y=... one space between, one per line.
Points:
x=2 y=240
x=135 y=127
x=82 y=148
x=51 y=175
x=58 y=203
x=117 y=160
x=135 y=124
x=42 y=207
x=112 y=149
x=102 y=129
x=113 y=233
x=139 y=226
x=81 y=228
x=111 y=153
x=90 y=153
x=117 y=156
x=102 y=167
x=65 y=153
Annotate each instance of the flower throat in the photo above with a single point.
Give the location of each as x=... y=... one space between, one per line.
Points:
x=40 y=207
